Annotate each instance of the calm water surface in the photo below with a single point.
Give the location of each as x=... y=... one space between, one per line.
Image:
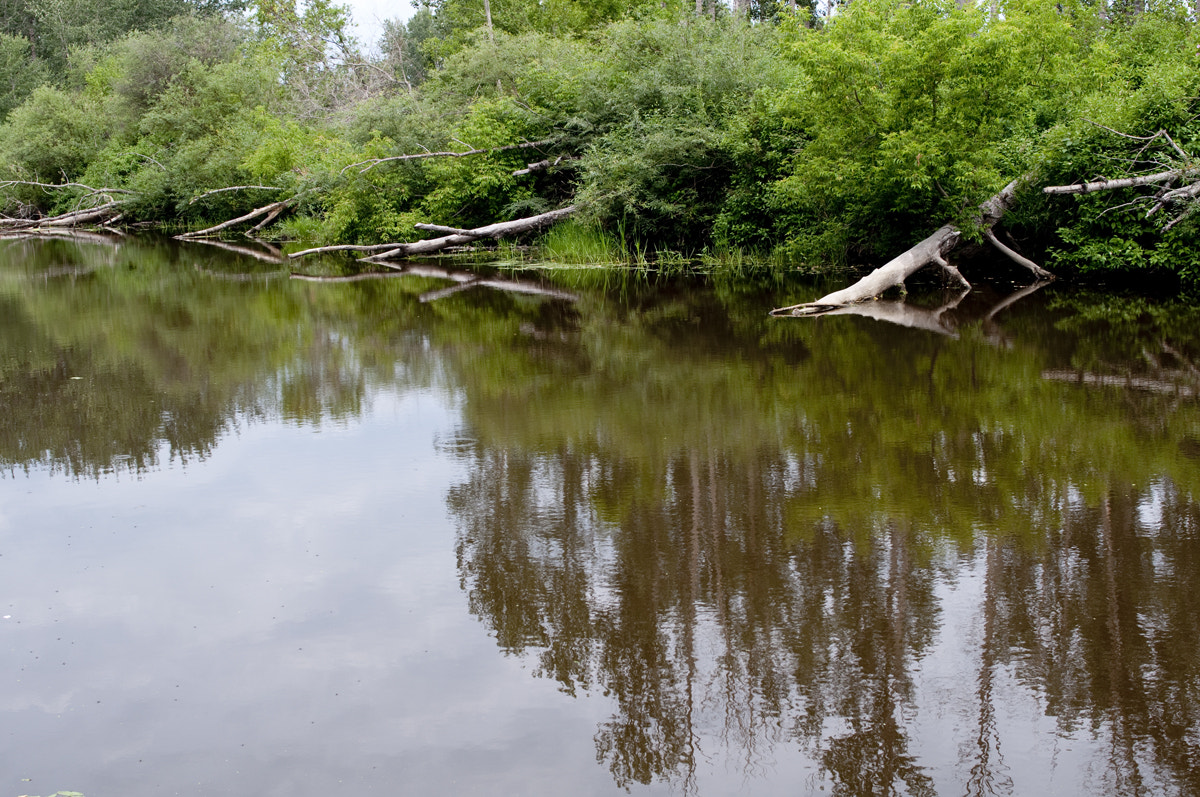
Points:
x=267 y=536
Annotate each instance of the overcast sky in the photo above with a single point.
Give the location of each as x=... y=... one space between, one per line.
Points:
x=370 y=14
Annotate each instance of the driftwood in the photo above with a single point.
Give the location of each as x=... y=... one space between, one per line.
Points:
x=454 y=237
x=270 y=211
x=100 y=214
x=931 y=251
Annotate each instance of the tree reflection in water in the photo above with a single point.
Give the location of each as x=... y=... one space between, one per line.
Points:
x=740 y=592
x=753 y=535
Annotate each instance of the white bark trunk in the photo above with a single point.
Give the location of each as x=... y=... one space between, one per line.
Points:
x=932 y=250
x=455 y=237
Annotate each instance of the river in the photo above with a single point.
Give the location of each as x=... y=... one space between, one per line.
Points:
x=575 y=531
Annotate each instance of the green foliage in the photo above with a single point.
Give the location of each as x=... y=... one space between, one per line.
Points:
x=1152 y=66
x=19 y=74
x=662 y=161
x=826 y=140
x=914 y=112
x=482 y=189
x=52 y=136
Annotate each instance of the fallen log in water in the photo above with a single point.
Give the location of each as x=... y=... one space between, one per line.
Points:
x=931 y=251
x=269 y=211
x=455 y=237
x=94 y=216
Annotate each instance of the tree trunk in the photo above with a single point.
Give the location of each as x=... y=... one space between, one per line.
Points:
x=271 y=210
x=456 y=237
x=461 y=237
x=932 y=250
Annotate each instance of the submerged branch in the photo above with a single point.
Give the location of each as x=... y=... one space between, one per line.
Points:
x=320 y=250
x=1019 y=259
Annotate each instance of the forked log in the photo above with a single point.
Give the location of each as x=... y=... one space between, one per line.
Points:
x=931 y=251
x=454 y=237
x=271 y=210
x=101 y=214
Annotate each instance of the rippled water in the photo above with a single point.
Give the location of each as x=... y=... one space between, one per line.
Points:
x=262 y=535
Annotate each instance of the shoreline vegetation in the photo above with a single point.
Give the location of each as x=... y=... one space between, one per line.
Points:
x=757 y=137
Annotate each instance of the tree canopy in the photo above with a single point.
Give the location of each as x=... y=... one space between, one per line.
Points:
x=826 y=138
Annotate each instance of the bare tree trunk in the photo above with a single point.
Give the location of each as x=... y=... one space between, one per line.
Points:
x=271 y=210
x=931 y=251
x=487 y=10
x=455 y=237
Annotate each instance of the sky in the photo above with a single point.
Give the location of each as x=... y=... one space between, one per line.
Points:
x=370 y=14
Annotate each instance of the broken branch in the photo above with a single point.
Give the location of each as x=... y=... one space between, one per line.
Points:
x=1124 y=182
x=373 y=162
x=264 y=210
x=893 y=273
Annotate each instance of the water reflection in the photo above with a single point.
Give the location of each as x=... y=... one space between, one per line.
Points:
x=751 y=556
x=918 y=564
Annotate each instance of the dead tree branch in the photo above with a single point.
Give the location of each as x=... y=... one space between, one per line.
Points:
x=58 y=186
x=467 y=236
x=456 y=237
x=198 y=197
x=1124 y=182
x=542 y=165
x=373 y=162
x=932 y=250
x=266 y=210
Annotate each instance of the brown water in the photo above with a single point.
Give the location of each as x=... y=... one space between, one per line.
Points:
x=268 y=536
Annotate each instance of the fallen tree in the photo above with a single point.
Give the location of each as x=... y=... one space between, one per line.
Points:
x=931 y=251
x=1179 y=186
x=454 y=237
x=107 y=213
x=269 y=212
